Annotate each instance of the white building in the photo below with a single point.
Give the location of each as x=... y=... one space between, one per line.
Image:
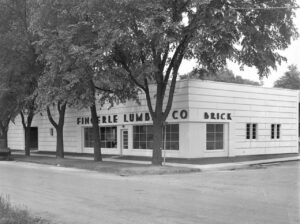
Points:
x=208 y=119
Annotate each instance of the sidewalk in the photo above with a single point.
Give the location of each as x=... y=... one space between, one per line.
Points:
x=204 y=164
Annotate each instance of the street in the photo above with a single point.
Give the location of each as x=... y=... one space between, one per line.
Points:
x=263 y=194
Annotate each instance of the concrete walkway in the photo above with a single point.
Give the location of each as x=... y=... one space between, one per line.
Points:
x=202 y=167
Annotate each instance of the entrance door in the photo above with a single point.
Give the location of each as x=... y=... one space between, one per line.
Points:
x=124 y=140
x=33 y=138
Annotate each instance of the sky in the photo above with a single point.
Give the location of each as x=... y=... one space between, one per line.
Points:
x=292 y=53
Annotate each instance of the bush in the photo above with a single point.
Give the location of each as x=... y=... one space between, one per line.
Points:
x=12 y=215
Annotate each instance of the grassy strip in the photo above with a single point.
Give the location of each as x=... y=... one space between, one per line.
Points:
x=118 y=168
x=12 y=215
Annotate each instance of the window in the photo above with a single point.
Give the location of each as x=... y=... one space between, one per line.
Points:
x=214 y=136
x=108 y=137
x=88 y=137
x=143 y=137
x=251 y=130
x=172 y=137
x=125 y=139
x=275 y=131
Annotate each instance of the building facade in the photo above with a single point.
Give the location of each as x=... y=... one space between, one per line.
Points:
x=208 y=119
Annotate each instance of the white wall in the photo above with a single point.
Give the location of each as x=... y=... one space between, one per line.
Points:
x=249 y=104
x=246 y=104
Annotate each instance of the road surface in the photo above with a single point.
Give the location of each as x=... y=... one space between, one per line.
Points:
x=263 y=195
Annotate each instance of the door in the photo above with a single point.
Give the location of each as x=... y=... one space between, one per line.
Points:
x=124 y=140
x=34 y=138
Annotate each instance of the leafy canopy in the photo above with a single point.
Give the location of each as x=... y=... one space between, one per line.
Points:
x=290 y=79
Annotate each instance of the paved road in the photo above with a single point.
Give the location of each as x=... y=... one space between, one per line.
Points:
x=262 y=196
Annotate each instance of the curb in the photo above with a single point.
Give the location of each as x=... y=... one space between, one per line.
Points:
x=234 y=166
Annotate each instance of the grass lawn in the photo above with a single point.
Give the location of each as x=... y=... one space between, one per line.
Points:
x=122 y=169
x=12 y=215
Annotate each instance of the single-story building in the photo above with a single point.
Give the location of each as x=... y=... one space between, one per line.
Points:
x=208 y=119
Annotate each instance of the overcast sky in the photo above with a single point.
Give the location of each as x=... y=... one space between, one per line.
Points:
x=292 y=54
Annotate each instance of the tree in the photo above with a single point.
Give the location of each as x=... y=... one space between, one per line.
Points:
x=18 y=65
x=224 y=75
x=290 y=79
x=8 y=111
x=149 y=39
x=74 y=75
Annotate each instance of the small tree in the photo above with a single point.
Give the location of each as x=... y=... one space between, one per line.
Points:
x=224 y=75
x=149 y=39
x=8 y=111
x=290 y=79
x=19 y=68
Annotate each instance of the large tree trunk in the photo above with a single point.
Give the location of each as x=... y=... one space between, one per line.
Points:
x=27 y=127
x=95 y=123
x=27 y=141
x=60 y=142
x=3 y=133
x=3 y=138
x=59 y=128
x=157 y=143
x=96 y=133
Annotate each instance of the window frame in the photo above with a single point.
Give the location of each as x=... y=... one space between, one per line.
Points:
x=275 y=131
x=148 y=135
x=251 y=131
x=103 y=141
x=215 y=132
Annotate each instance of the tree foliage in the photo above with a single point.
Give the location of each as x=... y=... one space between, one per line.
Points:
x=19 y=68
x=224 y=75
x=149 y=39
x=290 y=79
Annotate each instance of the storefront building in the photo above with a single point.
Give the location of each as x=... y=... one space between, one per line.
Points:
x=208 y=119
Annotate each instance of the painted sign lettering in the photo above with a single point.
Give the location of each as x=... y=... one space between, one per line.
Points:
x=182 y=114
x=217 y=116
x=130 y=117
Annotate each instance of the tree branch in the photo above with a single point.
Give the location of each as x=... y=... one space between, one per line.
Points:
x=23 y=119
x=164 y=59
x=148 y=98
x=173 y=84
x=103 y=89
x=51 y=118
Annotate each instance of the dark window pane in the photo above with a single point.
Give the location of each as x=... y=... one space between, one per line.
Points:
x=219 y=137
x=253 y=131
x=219 y=128
x=168 y=136
x=278 y=131
x=219 y=145
x=143 y=145
x=136 y=145
x=210 y=137
x=209 y=128
x=209 y=145
x=174 y=145
x=174 y=137
x=174 y=128
x=248 y=131
x=142 y=137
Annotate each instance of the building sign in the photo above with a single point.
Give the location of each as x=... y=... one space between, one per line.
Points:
x=129 y=118
x=217 y=116
x=179 y=114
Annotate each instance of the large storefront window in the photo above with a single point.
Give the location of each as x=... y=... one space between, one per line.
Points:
x=143 y=137
x=214 y=136
x=108 y=136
